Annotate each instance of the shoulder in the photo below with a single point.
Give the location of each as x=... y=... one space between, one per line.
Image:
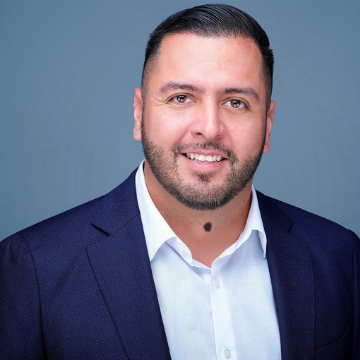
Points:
x=77 y=227
x=310 y=227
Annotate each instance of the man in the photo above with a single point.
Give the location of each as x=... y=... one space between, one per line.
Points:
x=185 y=259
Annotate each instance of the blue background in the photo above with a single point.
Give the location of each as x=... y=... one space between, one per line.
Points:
x=67 y=74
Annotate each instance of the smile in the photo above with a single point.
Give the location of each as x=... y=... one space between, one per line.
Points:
x=204 y=158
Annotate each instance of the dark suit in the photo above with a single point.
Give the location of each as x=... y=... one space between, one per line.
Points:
x=79 y=285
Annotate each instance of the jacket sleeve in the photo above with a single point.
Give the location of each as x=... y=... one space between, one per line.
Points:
x=20 y=315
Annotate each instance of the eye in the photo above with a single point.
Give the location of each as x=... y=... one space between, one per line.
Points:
x=181 y=99
x=235 y=103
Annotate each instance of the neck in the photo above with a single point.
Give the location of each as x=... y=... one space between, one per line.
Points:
x=207 y=233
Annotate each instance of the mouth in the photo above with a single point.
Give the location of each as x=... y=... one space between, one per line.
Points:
x=204 y=158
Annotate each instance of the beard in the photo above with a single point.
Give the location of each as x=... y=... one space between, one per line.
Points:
x=201 y=195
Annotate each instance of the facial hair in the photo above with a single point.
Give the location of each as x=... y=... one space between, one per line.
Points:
x=201 y=195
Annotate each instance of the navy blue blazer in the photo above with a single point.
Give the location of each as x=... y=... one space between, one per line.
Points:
x=79 y=285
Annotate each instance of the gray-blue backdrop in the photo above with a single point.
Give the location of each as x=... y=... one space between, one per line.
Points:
x=67 y=74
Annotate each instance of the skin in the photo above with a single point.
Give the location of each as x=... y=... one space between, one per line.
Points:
x=204 y=91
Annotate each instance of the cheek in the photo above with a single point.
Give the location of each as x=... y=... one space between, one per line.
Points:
x=247 y=139
x=167 y=127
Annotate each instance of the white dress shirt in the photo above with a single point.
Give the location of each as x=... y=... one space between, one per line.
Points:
x=223 y=312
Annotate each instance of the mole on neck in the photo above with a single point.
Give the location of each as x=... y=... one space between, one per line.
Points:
x=207 y=226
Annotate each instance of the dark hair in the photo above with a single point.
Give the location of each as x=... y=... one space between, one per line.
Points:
x=213 y=20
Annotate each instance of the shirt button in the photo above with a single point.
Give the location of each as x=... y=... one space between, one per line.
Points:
x=227 y=353
x=216 y=283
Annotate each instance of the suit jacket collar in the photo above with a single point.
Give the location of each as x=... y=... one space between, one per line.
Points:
x=122 y=269
x=290 y=267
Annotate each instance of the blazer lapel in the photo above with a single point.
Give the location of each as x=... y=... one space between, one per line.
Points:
x=291 y=273
x=122 y=269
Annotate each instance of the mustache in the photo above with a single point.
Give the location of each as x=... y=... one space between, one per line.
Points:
x=186 y=148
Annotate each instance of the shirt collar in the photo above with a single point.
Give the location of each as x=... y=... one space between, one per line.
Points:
x=157 y=231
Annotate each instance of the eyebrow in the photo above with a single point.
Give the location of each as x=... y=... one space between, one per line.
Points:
x=172 y=85
x=245 y=90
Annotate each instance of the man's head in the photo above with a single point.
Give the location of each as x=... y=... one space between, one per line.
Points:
x=204 y=113
x=212 y=20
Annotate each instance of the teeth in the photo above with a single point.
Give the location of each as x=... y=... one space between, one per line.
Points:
x=207 y=158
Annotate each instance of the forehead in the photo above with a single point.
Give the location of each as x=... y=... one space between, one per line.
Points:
x=208 y=61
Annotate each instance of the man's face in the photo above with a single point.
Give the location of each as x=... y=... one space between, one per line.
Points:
x=204 y=123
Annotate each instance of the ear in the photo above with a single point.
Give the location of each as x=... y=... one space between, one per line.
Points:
x=138 y=108
x=269 y=123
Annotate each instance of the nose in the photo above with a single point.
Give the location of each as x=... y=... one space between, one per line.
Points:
x=207 y=124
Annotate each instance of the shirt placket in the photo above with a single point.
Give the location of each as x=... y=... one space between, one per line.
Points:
x=221 y=316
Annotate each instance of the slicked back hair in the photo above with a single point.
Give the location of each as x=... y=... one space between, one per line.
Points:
x=212 y=20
